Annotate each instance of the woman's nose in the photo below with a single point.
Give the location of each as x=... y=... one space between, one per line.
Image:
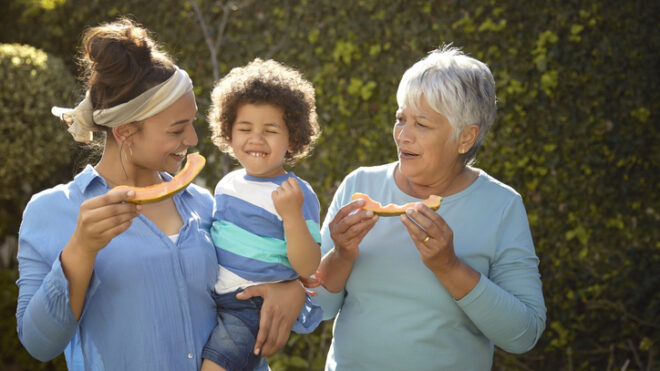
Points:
x=191 y=137
x=402 y=133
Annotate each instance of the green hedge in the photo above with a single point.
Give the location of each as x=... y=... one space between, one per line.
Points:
x=576 y=133
x=33 y=146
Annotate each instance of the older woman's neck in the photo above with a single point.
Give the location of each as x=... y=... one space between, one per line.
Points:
x=442 y=185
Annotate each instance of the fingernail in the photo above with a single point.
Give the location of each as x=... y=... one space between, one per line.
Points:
x=138 y=207
x=370 y=213
x=257 y=351
x=409 y=211
x=130 y=193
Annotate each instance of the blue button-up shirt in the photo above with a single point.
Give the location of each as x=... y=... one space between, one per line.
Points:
x=149 y=304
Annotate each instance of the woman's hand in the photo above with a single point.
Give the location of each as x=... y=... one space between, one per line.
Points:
x=347 y=229
x=100 y=220
x=282 y=304
x=434 y=240
x=103 y=218
x=435 y=243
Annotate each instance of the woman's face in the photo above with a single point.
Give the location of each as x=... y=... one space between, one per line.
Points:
x=426 y=147
x=163 y=140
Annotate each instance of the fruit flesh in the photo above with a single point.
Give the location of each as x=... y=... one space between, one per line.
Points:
x=194 y=164
x=432 y=202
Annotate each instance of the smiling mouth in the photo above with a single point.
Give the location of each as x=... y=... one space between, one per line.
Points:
x=257 y=154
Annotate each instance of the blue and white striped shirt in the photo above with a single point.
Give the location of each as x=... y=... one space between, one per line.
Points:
x=248 y=232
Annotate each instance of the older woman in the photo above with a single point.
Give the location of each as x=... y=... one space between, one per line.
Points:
x=432 y=290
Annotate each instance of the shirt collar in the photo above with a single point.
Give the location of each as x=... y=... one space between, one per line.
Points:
x=89 y=178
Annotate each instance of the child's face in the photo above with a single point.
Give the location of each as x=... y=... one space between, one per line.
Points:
x=260 y=139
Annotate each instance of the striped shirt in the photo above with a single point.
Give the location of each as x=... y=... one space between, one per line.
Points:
x=249 y=234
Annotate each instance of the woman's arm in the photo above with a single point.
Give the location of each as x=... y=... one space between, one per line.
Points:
x=282 y=304
x=51 y=301
x=508 y=307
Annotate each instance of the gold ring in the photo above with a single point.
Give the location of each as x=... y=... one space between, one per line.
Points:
x=426 y=239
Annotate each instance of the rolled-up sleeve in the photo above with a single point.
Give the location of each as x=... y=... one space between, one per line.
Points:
x=508 y=306
x=44 y=318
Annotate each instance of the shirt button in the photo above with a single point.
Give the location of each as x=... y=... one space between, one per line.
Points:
x=190 y=355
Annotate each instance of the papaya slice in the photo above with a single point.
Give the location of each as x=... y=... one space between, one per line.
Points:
x=194 y=164
x=433 y=202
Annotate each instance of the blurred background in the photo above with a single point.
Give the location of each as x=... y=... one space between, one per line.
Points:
x=576 y=134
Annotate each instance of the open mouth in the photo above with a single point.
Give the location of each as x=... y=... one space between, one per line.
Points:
x=257 y=153
x=181 y=153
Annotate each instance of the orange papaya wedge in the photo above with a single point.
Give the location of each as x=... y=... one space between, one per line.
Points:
x=433 y=202
x=194 y=164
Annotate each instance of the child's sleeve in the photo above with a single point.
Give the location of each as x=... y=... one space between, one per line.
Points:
x=312 y=211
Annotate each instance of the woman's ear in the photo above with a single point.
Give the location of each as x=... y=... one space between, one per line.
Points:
x=121 y=133
x=467 y=138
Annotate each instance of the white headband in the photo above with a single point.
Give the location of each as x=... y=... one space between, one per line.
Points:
x=82 y=118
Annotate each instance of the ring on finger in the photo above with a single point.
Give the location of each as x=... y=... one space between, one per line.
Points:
x=426 y=239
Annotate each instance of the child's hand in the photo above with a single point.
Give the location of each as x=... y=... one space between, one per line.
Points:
x=288 y=199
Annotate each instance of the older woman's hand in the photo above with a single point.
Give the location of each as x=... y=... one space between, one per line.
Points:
x=435 y=243
x=347 y=229
x=434 y=240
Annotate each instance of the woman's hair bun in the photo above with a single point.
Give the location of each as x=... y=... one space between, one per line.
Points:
x=120 y=59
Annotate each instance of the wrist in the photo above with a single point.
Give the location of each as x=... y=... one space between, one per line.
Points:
x=449 y=268
x=458 y=278
x=76 y=248
x=293 y=216
x=345 y=254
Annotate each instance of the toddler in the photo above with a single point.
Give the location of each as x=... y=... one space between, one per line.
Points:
x=265 y=219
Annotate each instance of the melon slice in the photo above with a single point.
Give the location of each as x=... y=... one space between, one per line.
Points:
x=194 y=164
x=433 y=202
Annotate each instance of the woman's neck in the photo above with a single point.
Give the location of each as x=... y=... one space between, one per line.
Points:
x=118 y=169
x=451 y=183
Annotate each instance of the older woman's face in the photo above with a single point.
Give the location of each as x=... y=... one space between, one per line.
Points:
x=426 y=147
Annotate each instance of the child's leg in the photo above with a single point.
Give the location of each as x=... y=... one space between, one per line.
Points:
x=211 y=366
x=230 y=345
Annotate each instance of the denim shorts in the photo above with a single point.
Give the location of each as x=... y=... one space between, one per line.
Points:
x=231 y=343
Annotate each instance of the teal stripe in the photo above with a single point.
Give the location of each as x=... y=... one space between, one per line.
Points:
x=232 y=238
x=315 y=230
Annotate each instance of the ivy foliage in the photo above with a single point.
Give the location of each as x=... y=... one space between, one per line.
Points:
x=576 y=133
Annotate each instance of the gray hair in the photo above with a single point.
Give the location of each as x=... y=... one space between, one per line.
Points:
x=456 y=86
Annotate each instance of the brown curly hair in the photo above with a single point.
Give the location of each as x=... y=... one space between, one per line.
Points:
x=270 y=82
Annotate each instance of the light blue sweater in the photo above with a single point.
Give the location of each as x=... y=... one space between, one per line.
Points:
x=395 y=315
